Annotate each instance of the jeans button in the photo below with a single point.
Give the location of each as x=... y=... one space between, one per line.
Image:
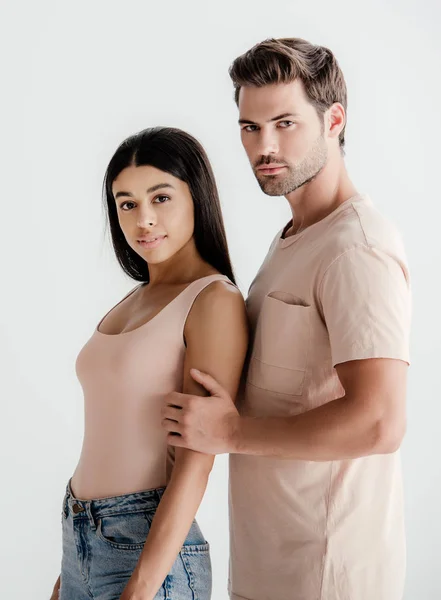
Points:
x=76 y=508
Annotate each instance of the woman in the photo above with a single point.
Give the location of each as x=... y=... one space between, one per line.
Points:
x=128 y=514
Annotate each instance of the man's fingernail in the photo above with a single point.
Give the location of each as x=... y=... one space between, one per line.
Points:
x=197 y=371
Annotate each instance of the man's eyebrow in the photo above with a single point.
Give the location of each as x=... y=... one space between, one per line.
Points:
x=154 y=188
x=282 y=116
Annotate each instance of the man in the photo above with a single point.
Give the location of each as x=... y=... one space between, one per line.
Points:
x=316 y=506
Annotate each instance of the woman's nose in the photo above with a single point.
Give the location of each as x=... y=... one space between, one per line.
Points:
x=146 y=218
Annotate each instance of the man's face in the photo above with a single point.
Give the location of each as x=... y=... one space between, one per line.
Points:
x=283 y=136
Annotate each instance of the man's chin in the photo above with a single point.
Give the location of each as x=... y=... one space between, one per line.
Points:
x=272 y=190
x=273 y=185
x=273 y=193
x=280 y=188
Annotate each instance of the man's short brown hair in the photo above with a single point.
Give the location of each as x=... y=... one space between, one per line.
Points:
x=286 y=59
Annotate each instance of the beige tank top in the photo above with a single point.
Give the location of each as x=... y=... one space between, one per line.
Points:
x=124 y=379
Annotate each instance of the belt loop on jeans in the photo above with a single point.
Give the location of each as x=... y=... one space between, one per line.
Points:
x=88 y=507
x=66 y=504
x=158 y=495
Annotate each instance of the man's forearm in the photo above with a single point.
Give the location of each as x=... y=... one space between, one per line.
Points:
x=335 y=431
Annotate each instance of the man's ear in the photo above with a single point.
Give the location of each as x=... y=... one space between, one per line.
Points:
x=335 y=120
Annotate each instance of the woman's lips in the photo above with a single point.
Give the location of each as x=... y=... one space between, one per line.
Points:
x=151 y=243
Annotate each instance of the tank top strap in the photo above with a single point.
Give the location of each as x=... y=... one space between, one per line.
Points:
x=194 y=289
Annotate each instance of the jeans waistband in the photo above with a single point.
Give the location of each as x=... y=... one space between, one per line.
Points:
x=101 y=507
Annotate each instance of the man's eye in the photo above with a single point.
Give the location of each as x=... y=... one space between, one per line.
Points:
x=285 y=124
x=250 y=128
x=161 y=199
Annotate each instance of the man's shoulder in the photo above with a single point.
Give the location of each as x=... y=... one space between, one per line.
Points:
x=361 y=224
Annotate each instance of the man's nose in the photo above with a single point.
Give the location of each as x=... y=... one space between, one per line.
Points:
x=268 y=144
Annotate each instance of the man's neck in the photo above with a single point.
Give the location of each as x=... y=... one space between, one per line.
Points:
x=320 y=197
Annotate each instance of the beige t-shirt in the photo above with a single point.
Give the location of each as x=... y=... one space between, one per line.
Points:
x=303 y=530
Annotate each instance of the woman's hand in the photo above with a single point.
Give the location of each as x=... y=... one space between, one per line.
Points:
x=56 y=590
x=137 y=589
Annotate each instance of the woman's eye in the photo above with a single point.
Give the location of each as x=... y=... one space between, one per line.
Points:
x=161 y=199
x=127 y=205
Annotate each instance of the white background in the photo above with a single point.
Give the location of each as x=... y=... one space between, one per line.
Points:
x=77 y=78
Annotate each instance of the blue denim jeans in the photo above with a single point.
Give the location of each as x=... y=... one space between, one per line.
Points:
x=103 y=540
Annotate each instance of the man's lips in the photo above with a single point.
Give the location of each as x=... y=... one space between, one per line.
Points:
x=270 y=169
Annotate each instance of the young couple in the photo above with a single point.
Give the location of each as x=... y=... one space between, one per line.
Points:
x=316 y=509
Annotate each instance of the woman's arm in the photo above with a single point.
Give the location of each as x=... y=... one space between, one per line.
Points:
x=216 y=335
x=56 y=590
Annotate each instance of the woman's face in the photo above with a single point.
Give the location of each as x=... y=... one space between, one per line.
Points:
x=155 y=212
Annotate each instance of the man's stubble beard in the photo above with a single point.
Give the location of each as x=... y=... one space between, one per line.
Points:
x=298 y=175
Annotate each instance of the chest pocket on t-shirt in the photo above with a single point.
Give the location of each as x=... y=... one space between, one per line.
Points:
x=281 y=345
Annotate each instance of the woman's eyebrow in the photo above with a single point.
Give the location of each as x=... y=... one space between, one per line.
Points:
x=154 y=188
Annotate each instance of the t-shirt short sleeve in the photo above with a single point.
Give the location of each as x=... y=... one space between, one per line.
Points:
x=365 y=298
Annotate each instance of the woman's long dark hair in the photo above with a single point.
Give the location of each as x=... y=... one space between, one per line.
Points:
x=181 y=155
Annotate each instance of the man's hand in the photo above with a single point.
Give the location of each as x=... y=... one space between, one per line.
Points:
x=209 y=425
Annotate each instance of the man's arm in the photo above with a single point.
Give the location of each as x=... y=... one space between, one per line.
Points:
x=368 y=419
x=365 y=303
